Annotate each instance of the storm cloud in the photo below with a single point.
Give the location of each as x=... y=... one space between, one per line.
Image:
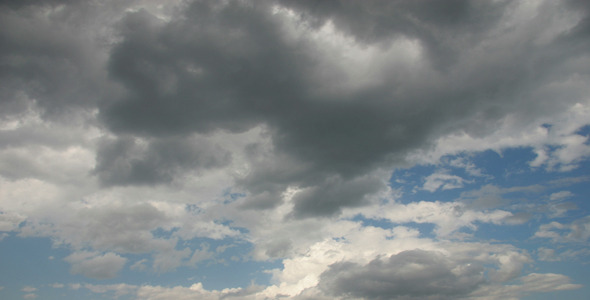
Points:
x=234 y=66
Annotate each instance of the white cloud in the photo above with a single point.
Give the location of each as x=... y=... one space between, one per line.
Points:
x=195 y=291
x=28 y=289
x=469 y=167
x=560 y=195
x=118 y=290
x=577 y=231
x=94 y=265
x=531 y=283
x=511 y=132
x=442 y=180
x=10 y=221
x=169 y=260
x=447 y=216
x=139 y=265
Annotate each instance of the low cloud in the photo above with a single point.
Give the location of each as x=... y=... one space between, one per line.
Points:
x=409 y=274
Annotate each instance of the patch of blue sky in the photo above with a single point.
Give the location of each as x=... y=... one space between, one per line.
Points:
x=517 y=235
x=230 y=196
x=584 y=131
x=31 y=262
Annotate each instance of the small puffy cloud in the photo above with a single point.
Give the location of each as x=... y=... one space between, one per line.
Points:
x=95 y=265
x=30 y=296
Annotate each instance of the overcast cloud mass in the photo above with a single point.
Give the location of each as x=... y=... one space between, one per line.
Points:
x=294 y=149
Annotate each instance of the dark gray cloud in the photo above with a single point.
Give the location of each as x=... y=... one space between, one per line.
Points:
x=126 y=160
x=415 y=274
x=51 y=55
x=328 y=197
x=232 y=66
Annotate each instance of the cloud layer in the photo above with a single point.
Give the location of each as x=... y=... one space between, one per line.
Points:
x=339 y=146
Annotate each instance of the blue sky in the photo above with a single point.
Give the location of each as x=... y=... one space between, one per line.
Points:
x=294 y=149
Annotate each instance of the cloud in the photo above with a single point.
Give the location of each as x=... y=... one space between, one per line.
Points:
x=28 y=289
x=447 y=216
x=137 y=128
x=218 y=85
x=441 y=180
x=534 y=282
x=577 y=231
x=95 y=265
x=413 y=273
x=128 y=160
x=560 y=195
x=117 y=289
x=10 y=221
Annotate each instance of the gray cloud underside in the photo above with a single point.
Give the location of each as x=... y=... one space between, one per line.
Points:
x=231 y=67
x=415 y=274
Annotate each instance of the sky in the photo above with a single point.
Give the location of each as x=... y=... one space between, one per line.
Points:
x=294 y=149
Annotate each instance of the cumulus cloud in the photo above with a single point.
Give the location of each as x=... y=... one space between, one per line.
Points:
x=135 y=128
